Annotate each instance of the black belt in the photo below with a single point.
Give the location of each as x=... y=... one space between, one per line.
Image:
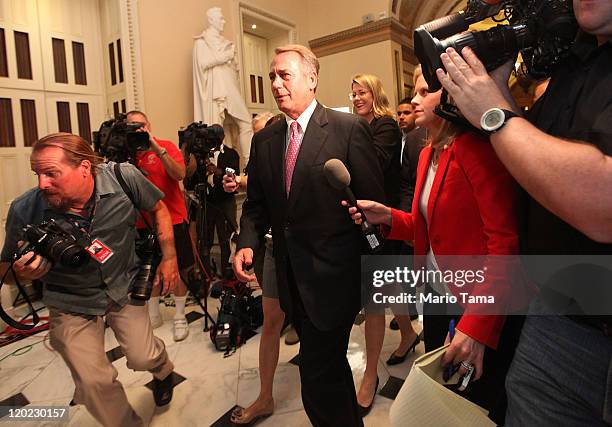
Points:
x=601 y=323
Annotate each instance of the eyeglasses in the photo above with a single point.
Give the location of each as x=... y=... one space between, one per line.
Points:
x=353 y=95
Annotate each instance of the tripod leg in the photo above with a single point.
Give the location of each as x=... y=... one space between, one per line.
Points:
x=195 y=292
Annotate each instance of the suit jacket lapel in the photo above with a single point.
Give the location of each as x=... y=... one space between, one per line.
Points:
x=445 y=157
x=312 y=142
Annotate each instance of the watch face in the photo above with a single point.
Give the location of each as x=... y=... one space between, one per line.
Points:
x=492 y=119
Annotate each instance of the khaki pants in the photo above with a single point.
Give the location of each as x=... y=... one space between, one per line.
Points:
x=79 y=339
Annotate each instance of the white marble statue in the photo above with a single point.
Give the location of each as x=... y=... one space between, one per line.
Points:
x=215 y=81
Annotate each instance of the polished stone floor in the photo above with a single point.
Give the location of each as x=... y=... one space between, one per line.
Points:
x=213 y=383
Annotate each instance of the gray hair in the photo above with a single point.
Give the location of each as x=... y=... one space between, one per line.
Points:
x=309 y=59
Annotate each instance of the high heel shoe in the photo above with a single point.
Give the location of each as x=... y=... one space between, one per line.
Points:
x=365 y=410
x=396 y=360
x=247 y=416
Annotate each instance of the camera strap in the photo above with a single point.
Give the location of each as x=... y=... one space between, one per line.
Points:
x=128 y=192
x=4 y=315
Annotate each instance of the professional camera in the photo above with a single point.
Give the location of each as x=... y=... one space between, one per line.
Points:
x=51 y=241
x=141 y=288
x=201 y=139
x=239 y=313
x=543 y=31
x=118 y=140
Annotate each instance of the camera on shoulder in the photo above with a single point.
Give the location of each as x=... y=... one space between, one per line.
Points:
x=118 y=140
x=201 y=139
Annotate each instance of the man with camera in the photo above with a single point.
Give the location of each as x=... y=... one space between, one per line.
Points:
x=164 y=166
x=85 y=199
x=206 y=166
x=561 y=154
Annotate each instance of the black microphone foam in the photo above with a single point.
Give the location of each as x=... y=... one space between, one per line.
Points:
x=339 y=177
x=336 y=173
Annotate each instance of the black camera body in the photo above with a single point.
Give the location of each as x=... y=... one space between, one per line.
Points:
x=142 y=286
x=239 y=313
x=201 y=139
x=51 y=241
x=118 y=141
x=543 y=31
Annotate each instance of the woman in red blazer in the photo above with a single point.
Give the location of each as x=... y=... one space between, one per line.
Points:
x=464 y=204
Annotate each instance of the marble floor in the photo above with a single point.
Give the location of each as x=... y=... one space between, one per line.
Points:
x=213 y=384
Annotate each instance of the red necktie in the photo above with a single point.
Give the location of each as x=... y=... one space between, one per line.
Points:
x=292 y=153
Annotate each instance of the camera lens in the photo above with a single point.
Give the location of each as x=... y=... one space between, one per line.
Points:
x=66 y=252
x=494 y=47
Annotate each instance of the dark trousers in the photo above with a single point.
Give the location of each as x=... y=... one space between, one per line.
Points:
x=220 y=216
x=328 y=391
x=561 y=374
x=488 y=391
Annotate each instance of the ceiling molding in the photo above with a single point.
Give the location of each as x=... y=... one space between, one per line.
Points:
x=363 y=35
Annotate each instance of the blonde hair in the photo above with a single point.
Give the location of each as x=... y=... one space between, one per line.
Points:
x=448 y=131
x=76 y=149
x=380 y=106
x=418 y=71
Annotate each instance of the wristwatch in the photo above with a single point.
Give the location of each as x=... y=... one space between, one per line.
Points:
x=494 y=119
x=162 y=152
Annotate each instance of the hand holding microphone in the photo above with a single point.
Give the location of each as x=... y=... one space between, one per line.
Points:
x=339 y=177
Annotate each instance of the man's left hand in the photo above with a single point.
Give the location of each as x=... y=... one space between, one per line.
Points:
x=167 y=274
x=469 y=84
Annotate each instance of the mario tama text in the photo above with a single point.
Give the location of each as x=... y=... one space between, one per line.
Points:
x=431 y=298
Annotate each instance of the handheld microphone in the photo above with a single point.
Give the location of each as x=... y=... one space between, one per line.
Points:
x=339 y=177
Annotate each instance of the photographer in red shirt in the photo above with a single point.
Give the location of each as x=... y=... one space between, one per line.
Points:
x=164 y=166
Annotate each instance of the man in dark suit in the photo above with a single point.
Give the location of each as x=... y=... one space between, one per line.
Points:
x=220 y=211
x=317 y=247
x=413 y=140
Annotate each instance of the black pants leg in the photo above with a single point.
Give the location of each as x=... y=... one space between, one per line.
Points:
x=209 y=231
x=328 y=391
x=224 y=226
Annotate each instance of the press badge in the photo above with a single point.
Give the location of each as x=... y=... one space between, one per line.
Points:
x=99 y=251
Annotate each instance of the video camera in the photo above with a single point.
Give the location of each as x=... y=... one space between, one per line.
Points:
x=51 y=241
x=118 y=141
x=239 y=313
x=543 y=31
x=201 y=139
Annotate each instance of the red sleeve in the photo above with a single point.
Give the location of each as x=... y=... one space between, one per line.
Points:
x=402 y=226
x=496 y=194
x=173 y=150
x=485 y=329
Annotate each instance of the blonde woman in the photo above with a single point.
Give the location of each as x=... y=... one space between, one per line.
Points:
x=464 y=204
x=371 y=103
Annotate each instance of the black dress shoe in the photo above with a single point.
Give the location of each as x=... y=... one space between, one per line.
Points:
x=396 y=360
x=365 y=410
x=162 y=390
